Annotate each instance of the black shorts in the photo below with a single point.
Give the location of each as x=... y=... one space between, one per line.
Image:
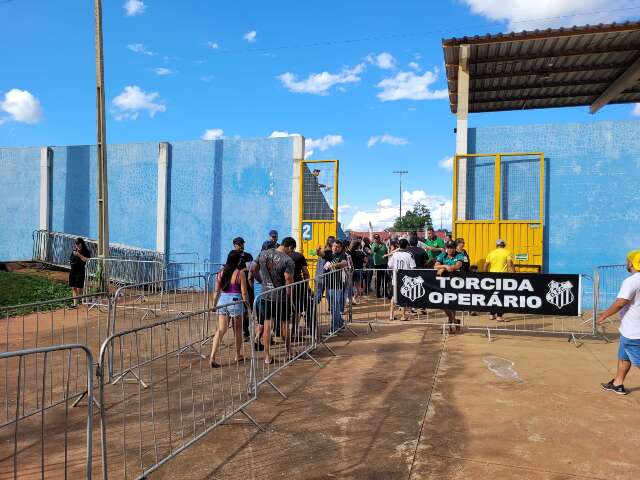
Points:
x=275 y=310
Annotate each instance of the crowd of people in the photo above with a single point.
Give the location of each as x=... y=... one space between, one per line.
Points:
x=346 y=271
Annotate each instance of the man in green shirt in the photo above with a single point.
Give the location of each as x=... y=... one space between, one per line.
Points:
x=434 y=245
x=378 y=252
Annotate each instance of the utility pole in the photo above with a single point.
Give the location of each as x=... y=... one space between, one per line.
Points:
x=441 y=208
x=103 y=197
x=401 y=172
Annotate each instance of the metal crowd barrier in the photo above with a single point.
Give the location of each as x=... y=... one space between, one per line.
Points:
x=608 y=279
x=54 y=248
x=372 y=303
x=142 y=428
x=575 y=327
x=133 y=304
x=41 y=435
x=51 y=323
x=292 y=320
x=120 y=271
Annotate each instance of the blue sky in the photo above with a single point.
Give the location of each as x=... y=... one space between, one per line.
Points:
x=362 y=79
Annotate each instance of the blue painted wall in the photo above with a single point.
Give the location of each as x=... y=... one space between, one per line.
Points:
x=133 y=188
x=19 y=201
x=217 y=190
x=592 y=212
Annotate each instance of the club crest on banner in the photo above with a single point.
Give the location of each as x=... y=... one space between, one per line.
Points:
x=412 y=288
x=560 y=294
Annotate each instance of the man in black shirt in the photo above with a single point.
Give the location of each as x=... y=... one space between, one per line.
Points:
x=301 y=296
x=272 y=242
x=336 y=262
x=419 y=255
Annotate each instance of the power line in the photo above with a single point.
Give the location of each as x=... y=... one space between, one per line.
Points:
x=392 y=36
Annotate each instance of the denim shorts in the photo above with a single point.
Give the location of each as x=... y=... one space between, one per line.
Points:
x=235 y=309
x=629 y=350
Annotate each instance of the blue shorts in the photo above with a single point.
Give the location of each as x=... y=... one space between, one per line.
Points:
x=231 y=304
x=629 y=350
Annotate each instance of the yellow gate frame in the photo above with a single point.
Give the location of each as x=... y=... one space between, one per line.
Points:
x=525 y=238
x=321 y=228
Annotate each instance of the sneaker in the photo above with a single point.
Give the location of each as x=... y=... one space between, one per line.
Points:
x=619 y=389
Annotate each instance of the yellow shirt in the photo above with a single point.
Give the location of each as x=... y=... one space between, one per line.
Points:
x=498 y=259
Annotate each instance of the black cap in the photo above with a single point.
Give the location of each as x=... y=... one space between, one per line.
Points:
x=238 y=241
x=451 y=244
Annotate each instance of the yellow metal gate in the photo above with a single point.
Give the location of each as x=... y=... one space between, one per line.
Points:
x=318 y=206
x=500 y=195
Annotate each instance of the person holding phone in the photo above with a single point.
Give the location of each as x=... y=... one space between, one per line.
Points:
x=77 y=261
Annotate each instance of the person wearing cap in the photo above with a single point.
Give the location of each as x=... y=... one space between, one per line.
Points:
x=272 y=242
x=238 y=245
x=627 y=305
x=499 y=260
x=450 y=262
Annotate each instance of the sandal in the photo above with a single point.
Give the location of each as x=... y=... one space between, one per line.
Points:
x=214 y=364
x=240 y=359
x=268 y=362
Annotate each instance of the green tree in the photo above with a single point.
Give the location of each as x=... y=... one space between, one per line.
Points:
x=414 y=219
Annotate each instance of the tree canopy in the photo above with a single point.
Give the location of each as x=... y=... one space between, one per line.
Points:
x=414 y=219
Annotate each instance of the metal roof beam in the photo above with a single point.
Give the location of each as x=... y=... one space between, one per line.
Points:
x=546 y=72
x=529 y=86
x=543 y=34
x=619 y=85
x=560 y=54
x=526 y=98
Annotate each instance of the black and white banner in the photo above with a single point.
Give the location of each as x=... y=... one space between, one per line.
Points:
x=542 y=294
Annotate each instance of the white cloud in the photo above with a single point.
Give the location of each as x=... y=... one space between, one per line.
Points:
x=415 y=66
x=134 y=7
x=140 y=48
x=345 y=208
x=386 y=211
x=531 y=14
x=321 y=83
x=408 y=85
x=636 y=110
x=133 y=100
x=212 y=134
x=163 y=71
x=446 y=163
x=388 y=139
x=279 y=134
x=213 y=45
x=321 y=144
x=21 y=106
x=250 y=36
x=383 y=60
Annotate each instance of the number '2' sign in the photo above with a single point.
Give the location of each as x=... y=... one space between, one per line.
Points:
x=307 y=231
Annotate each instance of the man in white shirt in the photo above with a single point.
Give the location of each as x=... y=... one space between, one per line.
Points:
x=400 y=260
x=628 y=305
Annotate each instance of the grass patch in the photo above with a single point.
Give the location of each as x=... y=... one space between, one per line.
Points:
x=20 y=288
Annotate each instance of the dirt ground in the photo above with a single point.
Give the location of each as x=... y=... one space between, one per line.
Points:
x=400 y=401
x=403 y=402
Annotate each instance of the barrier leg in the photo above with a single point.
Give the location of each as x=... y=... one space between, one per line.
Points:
x=270 y=383
x=311 y=358
x=122 y=377
x=324 y=344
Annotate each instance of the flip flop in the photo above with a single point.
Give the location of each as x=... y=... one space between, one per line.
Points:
x=268 y=362
x=214 y=365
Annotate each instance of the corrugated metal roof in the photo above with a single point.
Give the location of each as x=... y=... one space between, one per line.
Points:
x=544 y=69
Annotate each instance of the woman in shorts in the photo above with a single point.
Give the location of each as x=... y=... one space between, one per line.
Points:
x=231 y=294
